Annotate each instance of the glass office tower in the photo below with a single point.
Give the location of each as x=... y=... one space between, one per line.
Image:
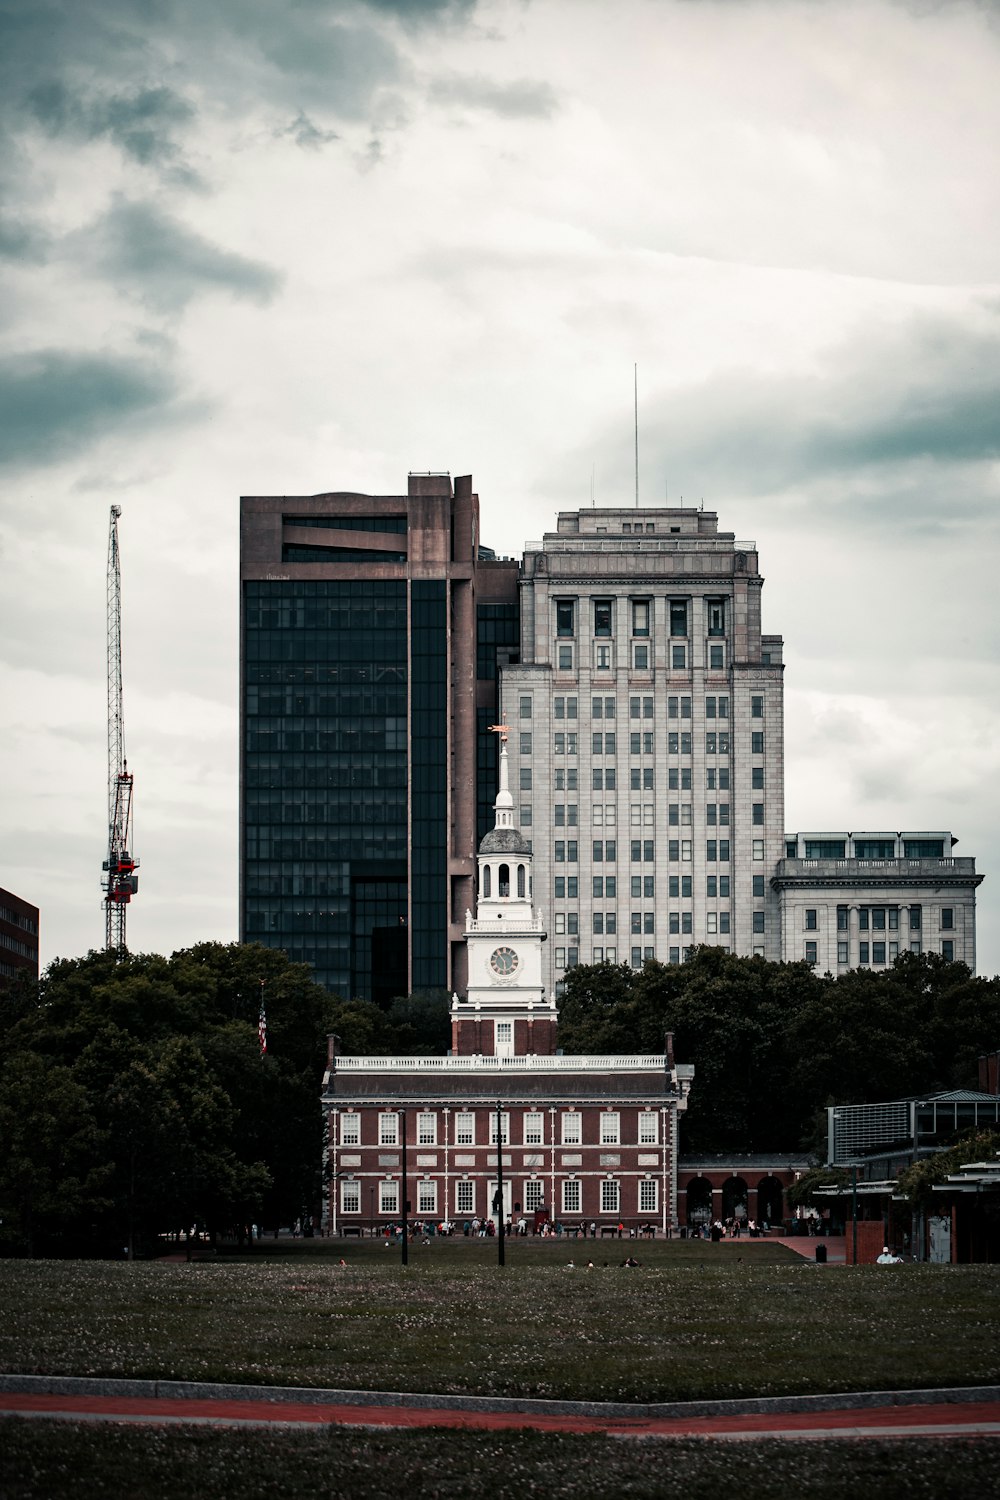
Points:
x=358 y=729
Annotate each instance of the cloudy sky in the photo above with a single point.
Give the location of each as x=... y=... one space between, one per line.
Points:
x=260 y=247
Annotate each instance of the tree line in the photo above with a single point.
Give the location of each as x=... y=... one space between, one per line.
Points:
x=135 y=1102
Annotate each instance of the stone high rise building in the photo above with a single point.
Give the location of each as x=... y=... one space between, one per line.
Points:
x=647 y=738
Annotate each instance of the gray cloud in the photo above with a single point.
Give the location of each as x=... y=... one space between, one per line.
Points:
x=22 y=240
x=166 y=264
x=887 y=407
x=142 y=122
x=524 y=97
x=58 y=401
x=304 y=132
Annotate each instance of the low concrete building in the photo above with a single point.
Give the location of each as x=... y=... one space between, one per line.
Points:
x=850 y=900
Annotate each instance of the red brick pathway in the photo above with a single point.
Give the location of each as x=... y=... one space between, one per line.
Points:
x=967 y=1419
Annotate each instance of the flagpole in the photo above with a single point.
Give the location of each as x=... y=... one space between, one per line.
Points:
x=262 y=1025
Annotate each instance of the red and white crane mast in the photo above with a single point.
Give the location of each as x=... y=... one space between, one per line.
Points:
x=120 y=880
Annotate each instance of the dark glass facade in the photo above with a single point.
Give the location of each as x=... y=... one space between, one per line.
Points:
x=365 y=659
x=325 y=776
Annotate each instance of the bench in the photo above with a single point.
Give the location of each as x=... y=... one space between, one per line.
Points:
x=575 y=1230
x=609 y=1229
x=349 y=1231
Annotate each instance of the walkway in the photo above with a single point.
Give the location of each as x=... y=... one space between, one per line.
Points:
x=952 y=1413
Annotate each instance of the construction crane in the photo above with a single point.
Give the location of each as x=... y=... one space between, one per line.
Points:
x=120 y=881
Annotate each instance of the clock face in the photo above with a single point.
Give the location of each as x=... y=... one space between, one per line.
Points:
x=503 y=961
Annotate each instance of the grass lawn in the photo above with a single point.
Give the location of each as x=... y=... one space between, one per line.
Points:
x=63 y=1461
x=695 y=1321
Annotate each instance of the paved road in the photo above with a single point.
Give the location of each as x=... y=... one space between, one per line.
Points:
x=951 y=1414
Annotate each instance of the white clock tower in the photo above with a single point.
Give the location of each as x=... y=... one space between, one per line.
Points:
x=506 y=1011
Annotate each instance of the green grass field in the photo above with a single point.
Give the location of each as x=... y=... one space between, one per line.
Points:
x=693 y=1321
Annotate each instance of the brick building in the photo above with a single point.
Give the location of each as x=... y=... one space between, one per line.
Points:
x=581 y=1139
x=18 y=938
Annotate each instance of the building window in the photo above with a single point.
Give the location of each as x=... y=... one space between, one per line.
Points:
x=610 y=1129
x=757 y=810
x=948 y=950
x=756 y=707
x=914 y=918
x=640 y=658
x=602 y=616
x=842 y=953
x=388 y=1129
x=716 y=660
x=602 y=658
x=947 y=918
x=678 y=617
x=465 y=1128
x=504 y=1118
x=350 y=1197
x=427 y=1129
x=534 y=1194
x=863 y=953
x=649 y=1128
x=350 y=1130
x=565 y=658
x=504 y=1039
x=572 y=1128
x=640 y=617
x=524 y=707
x=610 y=1196
x=564 y=617
x=810 y=953
x=534 y=1128
x=465 y=1197
x=427 y=1198
x=843 y=918
x=757 y=742
x=811 y=923
x=723 y=921
x=648 y=1196
x=758 y=921
x=878 y=953
x=716 y=617
x=388 y=1197
x=571 y=1197
x=678 y=658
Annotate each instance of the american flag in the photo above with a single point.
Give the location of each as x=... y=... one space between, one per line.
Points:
x=262 y=1023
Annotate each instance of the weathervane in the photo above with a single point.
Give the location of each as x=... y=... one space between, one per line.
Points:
x=503 y=730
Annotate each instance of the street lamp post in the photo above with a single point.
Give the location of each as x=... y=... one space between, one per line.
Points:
x=498 y=1199
x=406 y=1206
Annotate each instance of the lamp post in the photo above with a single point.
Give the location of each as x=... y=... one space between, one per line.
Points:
x=406 y=1206
x=498 y=1197
x=371 y=1205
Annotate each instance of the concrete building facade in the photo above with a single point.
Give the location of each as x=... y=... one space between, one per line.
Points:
x=648 y=734
x=849 y=900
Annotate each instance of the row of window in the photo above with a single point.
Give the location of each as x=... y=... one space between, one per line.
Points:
x=642 y=707
x=643 y=851
x=472 y=1198
x=877 y=953
x=567 y=887
x=642 y=779
x=641 y=742
x=865 y=849
x=603 y=615
x=471 y=1127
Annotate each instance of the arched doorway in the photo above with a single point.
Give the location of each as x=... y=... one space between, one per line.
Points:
x=699 y=1201
x=734 y=1199
x=770 y=1201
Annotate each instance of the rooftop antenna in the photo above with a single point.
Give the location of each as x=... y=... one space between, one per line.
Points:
x=635 y=402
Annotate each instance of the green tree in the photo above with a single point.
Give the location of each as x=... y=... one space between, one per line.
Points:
x=917 y=1182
